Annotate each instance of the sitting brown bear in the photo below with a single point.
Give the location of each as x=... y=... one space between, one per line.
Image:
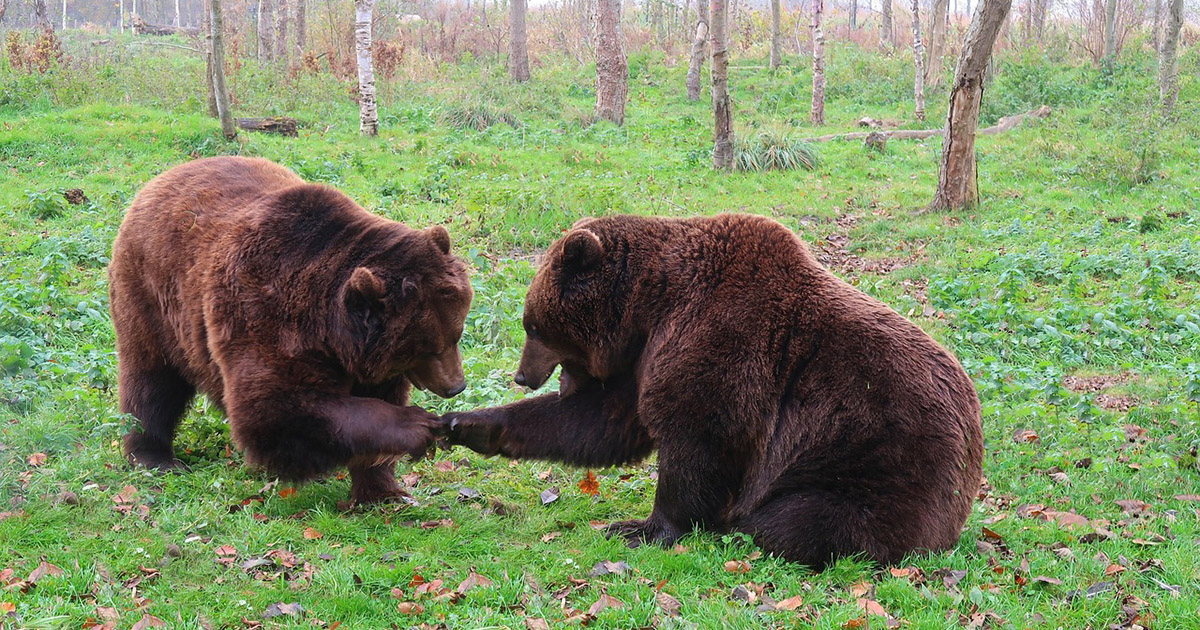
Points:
x=783 y=402
x=303 y=316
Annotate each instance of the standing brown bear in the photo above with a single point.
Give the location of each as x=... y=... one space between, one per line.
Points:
x=783 y=402
x=303 y=316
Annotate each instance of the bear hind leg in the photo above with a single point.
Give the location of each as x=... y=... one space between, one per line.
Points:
x=158 y=398
x=814 y=529
x=375 y=482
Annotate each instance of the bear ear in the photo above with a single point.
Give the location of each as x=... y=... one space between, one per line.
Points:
x=581 y=250
x=363 y=288
x=440 y=237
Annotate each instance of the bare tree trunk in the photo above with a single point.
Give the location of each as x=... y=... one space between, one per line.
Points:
x=1110 y=30
x=281 y=31
x=266 y=19
x=121 y=15
x=699 y=46
x=1168 y=59
x=957 y=178
x=853 y=14
x=301 y=27
x=210 y=90
x=217 y=45
x=722 y=108
x=3 y=9
x=368 y=117
x=776 y=35
x=39 y=13
x=818 y=43
x=1156 y=26
x=64 y=15
x=937 y=43
x=919 y=60
x=177 y=23
x=612 y=71
x=518 y=58
x=1039 y=18
x=885 y=35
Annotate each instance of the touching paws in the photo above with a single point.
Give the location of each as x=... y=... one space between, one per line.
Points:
x=479 y=431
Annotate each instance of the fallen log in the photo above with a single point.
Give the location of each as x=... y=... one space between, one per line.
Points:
x=141 y=27
x=1006 y=123
x=281 y=125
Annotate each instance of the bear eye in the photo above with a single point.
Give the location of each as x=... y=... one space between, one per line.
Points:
x=531 y=330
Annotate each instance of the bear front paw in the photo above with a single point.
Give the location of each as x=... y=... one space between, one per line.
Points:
x=643 y=531
x=476 y=430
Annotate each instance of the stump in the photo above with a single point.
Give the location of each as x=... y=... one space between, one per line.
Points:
x=876 y=141
x=281 y=125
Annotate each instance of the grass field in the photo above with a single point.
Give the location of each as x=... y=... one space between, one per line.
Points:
x=1070 y=295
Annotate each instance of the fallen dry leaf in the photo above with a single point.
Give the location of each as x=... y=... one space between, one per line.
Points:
x=279 y=608
x=226 y=555
x=287 y=492
x=669 y=605
x=589 y=485
x=7 y=607
x=871 y=607
x=605 y=601
x=474 y=580
x=36 y=459
x=606 y=567
x=862 y=589
x=791 y=603
x=1187 y=497
x=148 y=621
x=42 y=570
x=312 y=534
x=1066 y=519
x=410 y=608
x=1025 y=435
x=536 y=623
x=737 y=566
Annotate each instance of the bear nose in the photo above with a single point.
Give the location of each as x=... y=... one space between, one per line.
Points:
x=519 y=378
x=456 y=390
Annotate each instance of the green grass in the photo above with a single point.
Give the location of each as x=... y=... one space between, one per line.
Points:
x=1083 y=260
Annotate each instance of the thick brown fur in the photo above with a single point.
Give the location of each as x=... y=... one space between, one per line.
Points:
x=303 y=316
x=783 y=402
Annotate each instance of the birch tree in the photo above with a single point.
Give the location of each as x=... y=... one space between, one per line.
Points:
x=957 y=177
x=722 y=110
x=518 y=58
x=1110 y=30
x=612 y=71
x=1168 y=58
x=266 y=22
x=936 y=51
x=216 y=35
x=918 y=60
x=818 y=44
x=699 y=51
x=885 y=34
x=776 y=35
x=368 y=117
x=282 y=18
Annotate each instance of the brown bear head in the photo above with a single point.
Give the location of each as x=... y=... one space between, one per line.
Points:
x=403 y=311
x=578 y=312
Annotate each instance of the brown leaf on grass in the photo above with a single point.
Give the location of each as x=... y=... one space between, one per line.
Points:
x=549 y=495
x=745 y=593
x=737 y=566
x=123 y=500
x=589 y=485
x=287 y=492
x=1187 y=497
x=429 y=588
x=36 y=459
x=669 y=605
x=42 y=570
x=474 y=580
x=863 y=589
x=1025 y=435
x=1045 y=579
x=445 y=522
x=411 y=479
x=605 y=601
x=536 y=623
x=950 y=577
x=871 y=607
x=312 y=533
x=226 y=555
x=18 y=513
x=607 y=566
x=1066 y=519
x=1133 y=506
x=410 y=608
x=148 y=621
x=791 y=603
x=7 y=607
x=1113 y=569
x=279 y=608
x=855 y=624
